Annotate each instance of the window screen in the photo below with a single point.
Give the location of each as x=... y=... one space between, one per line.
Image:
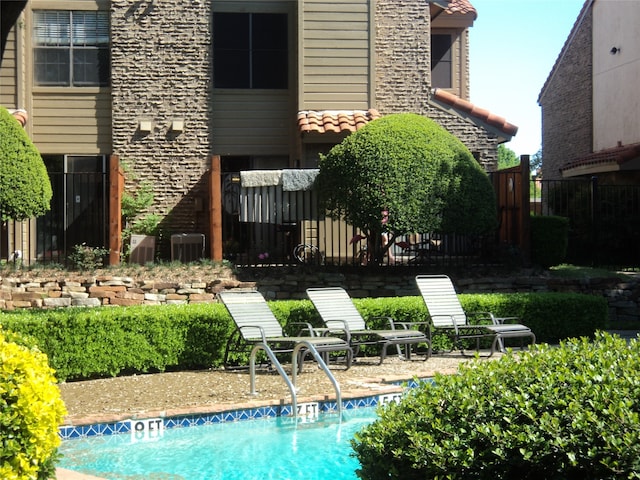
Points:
x=441 y=64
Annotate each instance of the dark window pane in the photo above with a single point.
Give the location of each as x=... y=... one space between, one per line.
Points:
x=250 y=50
x=269 y=31
x=104 y=67
x=231 y=31
x=441 y=75
x=270 y=70
x=231 y=52
x=51 y=66
x=91 y=67
x=85 y=164
x=231 y=69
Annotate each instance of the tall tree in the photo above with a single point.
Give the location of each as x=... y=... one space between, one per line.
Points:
x=506 y=157
x=404 y=174
x=536 y=161
x=25 y=189
x=9 y=12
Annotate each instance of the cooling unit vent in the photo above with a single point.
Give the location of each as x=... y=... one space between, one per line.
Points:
x=187 y=247
x=143 y=249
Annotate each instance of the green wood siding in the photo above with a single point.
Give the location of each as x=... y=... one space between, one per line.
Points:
x=247 y=122
x=71 y=122
x=8 y=74
x=335 y=55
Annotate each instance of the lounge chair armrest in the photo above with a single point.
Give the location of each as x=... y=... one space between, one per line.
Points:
x=410 y=325
x=306 y=327
x=390 y=320
x=503 y=320
x=252 y=327
x=337 y=326
x=478 y=317
x=451 y=324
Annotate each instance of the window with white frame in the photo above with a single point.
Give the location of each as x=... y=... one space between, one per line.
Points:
x=71 y=48
x=250 y=50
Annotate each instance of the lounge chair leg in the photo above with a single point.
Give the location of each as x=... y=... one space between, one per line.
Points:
x=383 y=353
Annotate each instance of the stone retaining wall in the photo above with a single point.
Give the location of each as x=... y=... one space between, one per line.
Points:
x=16 y=292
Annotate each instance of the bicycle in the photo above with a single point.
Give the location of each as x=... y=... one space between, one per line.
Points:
x=308 y=254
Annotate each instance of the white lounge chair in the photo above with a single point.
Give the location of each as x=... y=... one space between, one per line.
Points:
x=448 y=317
x=256 y=324
x=339 y=314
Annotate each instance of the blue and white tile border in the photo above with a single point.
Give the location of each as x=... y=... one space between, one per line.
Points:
x=68 y=432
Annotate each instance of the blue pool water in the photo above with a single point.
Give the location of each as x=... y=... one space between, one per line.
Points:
x=273 y=448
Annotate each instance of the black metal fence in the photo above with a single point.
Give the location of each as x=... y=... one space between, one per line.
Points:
x=78 y=215
x=266 y=226
x=604 y=220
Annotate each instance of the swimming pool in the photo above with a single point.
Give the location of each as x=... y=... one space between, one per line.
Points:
x=270 y=448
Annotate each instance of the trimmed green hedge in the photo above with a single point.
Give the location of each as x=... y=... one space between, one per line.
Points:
x=570 y=412
x=102 y=342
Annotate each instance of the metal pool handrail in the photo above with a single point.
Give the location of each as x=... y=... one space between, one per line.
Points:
x=322 y=365
x=291 y=384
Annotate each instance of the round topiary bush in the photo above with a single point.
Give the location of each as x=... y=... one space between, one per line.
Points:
x=405 y=173
x=25 y=189
x=31 y=411
x=570 y=412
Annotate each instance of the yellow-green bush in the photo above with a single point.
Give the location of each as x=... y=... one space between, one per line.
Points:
x=31 y=411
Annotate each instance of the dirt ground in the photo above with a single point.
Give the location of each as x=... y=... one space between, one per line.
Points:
x=173 y=393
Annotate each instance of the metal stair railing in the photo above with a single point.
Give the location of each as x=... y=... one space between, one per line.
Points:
x=291 y=384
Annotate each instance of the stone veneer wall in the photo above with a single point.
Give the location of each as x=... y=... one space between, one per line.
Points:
x=161 y=71
x=15 y=292
x=567 y=106
x=403 y=74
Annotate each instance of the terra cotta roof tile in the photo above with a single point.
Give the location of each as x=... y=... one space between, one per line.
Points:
x=20 y=115
x=333 y=121
x=460 y=6
x=616 y=155
x=474 y=111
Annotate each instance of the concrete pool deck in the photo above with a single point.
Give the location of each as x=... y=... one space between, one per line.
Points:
x=64 y=474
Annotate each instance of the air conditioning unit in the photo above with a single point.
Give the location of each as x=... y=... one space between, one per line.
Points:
x=142 y=250
x=187 y=247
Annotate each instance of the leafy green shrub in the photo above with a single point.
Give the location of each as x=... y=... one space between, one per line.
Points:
x=87 y=258
x=562 y=413
x=552 y=316
x=25 y=189
x=549 y=240
x=581 y=315
x=102 y=342
x=31 y=411
x=405 y=173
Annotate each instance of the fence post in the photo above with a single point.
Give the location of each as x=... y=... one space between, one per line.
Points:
x=116 y=186
x=215 y=209
x=525 y=210
x=595 y=220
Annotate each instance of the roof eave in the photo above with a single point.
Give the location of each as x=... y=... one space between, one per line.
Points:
x=584 y=170
x=454 y=105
